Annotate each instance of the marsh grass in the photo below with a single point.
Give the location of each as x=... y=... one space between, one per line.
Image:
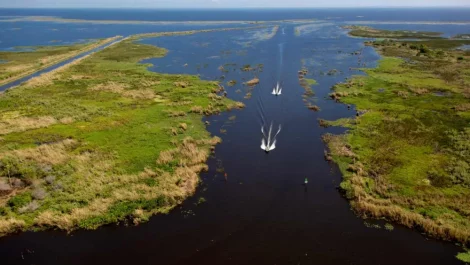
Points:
x=103 y=140
x=405 y=158
x=368 y=32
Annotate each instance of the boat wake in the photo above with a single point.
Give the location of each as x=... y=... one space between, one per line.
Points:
x=268 y=142
x=277 y=90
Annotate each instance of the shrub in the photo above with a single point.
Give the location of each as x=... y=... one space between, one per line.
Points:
x=151 y=182
x=3 y=211
x=30 y=207
x=424 y=49
x=39 y=194
x=50 y=179
x=440 y=179
x=460 y=149
x=20 y=200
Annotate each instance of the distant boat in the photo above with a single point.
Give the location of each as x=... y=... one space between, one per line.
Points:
x=277 y=90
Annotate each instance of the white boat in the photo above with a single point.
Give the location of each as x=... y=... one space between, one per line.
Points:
x=277 y=90
x=268 y=143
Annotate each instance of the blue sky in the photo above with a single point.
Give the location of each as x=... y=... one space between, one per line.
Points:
x=229 y=3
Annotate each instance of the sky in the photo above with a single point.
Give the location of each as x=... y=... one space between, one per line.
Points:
x=228 y=3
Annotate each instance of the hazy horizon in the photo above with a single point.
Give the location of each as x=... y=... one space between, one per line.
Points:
x=230 y=4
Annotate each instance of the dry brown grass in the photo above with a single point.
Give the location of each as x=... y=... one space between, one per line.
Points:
x=67 y=221
x=49 y=77
x=181 y=84
x=466 y=92
x=18 y=68
x=66 y=120
x=140 y=94
x=197 y=109
x=419 y=91
x=313 y=107
x=10 y=225
x=179 y=113
x=110 y=87
x=122 y=89
x=252 y=82
x=183 y=126
x=337 y=145
x=50 y=154
x=20 y=124
x=236 y=105
x=463 y=107
x=403 y=94
x=181 y=103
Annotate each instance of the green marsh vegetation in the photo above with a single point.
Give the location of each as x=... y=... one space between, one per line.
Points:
x=306 y=84
x=406 y=157
x=22 y=63
x=103 y=140
x=368 y=32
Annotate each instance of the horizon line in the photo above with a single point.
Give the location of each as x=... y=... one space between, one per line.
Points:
x=251 y=7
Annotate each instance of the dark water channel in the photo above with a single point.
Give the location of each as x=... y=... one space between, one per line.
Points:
x=260 y=214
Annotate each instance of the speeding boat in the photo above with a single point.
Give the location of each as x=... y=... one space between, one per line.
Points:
x=277 y=89
x=268 y=143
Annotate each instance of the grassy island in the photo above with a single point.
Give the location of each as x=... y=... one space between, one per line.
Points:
x=406 y=156
x=103 y=140
x=368 y=32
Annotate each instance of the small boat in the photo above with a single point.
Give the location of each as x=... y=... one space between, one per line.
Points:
x=277 y=90
x=268 y=143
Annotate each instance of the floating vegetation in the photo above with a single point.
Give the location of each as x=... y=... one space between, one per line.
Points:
x=201 y=200
x=231 y=83
x=246 y=68
x=464 y=256
x=252 y=82
x=370 y=225
x=313 y=107
x=306 y=29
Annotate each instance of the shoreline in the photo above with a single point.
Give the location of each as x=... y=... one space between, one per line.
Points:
x=380 y=179
x=152 y=180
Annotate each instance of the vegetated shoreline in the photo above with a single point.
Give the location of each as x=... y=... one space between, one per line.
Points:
x=368 y=32
x=145 y=22
x=134 y=138
x=406 y=155
x=408 y=22
x=59 y=60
